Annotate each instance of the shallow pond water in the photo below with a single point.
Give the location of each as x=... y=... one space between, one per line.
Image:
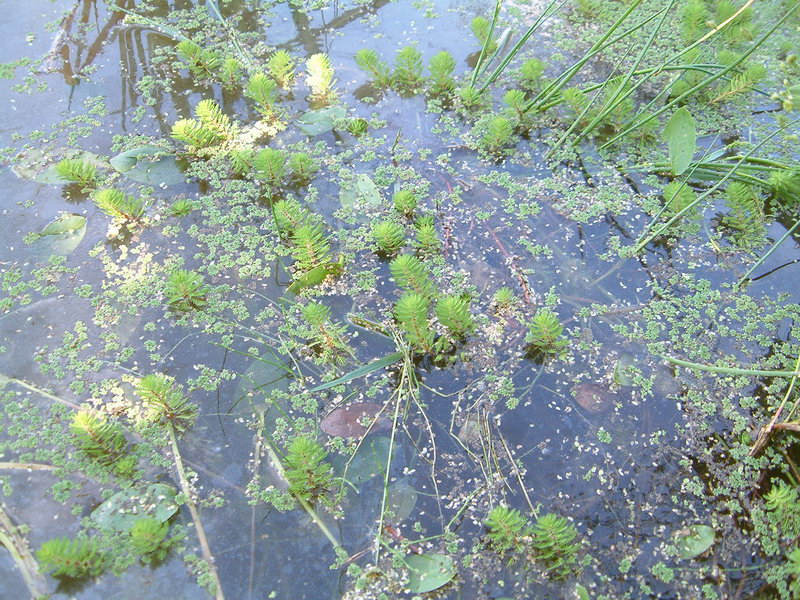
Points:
x=598 y=428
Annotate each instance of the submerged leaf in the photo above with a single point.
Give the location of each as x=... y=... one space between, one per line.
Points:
x=123 y=509
x=61 y=236
x=428 y=572
x=66 y=223
x=695 y=540
x=354 y=420
x=316 y=122
x=148 y=164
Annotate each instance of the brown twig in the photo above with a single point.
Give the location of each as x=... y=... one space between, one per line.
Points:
x=763 y=435
x=527 y=294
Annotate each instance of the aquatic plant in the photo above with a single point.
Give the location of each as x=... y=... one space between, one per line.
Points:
x=281 y=67
x=181 y=207
x=504 y=298
x=201 y=62
x=195 y=135
x=544 y=332
x=411 y=274
x=263 y=91
x=411 y=312
x=118 y=204
x=741 y=28
x=405 y=202
x=745 y=214
x=507 y=529
x=307 y=473
x=77 y=170
x=357 y=126
x=230 y=73
x=311 y=247
x=554 y=544
x=407 y=76
x=242 y=160
x=369 y=61
x=76 y=558
x=589 y=9
x=102 y=441
x=270 y=165
x=481 y=29
x=694 y=17
x=185 y=291
x=327 y=337
x=211 y=117
x=441 y=83
x=678 y=196
x=166 y=403
x=741 y=83
x=426 y=238
x=785 y=185
x=471 y=99
x=320 y=78
x=453 y=312
x=388 y=236
x=530 y=74
x=289 y=215
x=497 y=135
x=149 y=539
x=517 y=102
x=302 y=166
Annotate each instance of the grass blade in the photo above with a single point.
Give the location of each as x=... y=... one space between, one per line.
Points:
x=387 y=360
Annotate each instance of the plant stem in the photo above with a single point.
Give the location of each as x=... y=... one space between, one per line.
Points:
x=729 y=370
x=763 y=435
x=195 y=513
x=486 y=43
x=5 y=379
x=513 y=52
x=26 y=563
x=635 y=124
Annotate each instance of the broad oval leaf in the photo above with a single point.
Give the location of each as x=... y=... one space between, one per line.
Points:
x=695 y=540
x=66 y=223
x=681 y=137
x=364 y=189
x=37 y=166
x=354 y=420
x=402 y=500
x=61 y=236
x=148 y=164
x=124 y=508
x=371 y=460
x=315 y=122
x=427 y=572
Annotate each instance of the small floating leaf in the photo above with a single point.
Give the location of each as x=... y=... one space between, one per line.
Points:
x=622 y=375
x=428 y=572
x=681 y=137
x=695 y=540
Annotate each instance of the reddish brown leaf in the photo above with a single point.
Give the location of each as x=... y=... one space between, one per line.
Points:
x=354 y=420
x=594 y=397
